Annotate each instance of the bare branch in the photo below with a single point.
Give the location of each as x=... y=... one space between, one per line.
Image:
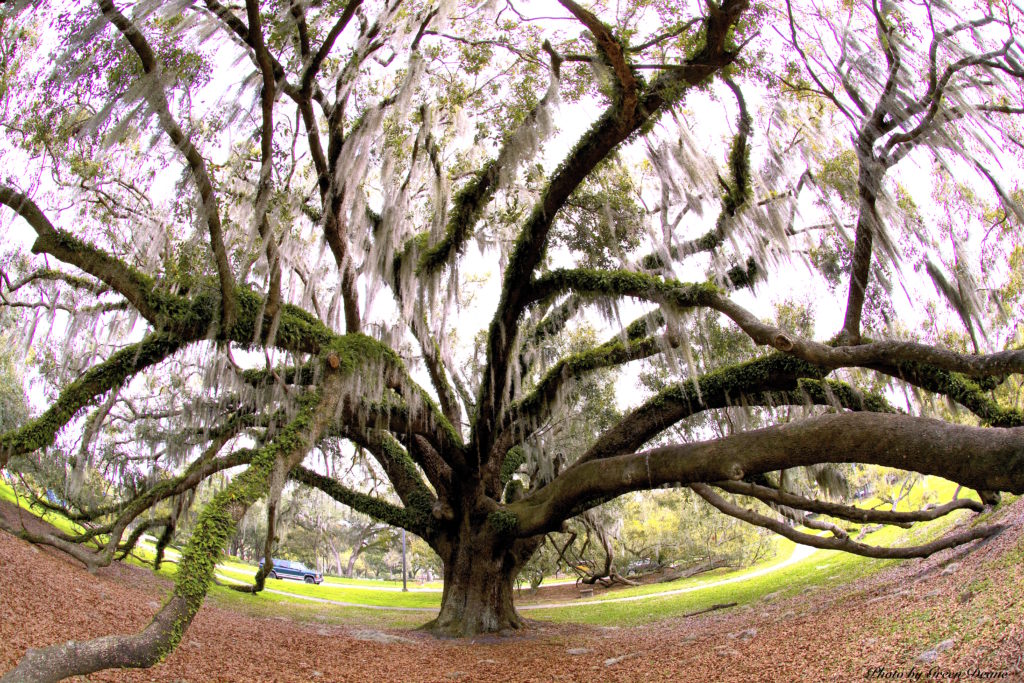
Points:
x=847 y=512
x=840 y=543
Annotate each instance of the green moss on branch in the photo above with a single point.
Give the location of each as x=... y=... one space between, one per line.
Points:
x=515 y=457
x=217 y=520
x=84 y=391
x=964 y=390
x=414 y=519
x=503 y=522
x=623 y=283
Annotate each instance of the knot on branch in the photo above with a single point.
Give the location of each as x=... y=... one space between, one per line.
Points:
x=782 y=342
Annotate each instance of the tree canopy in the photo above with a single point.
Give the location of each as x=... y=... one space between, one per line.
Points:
x=512 y=260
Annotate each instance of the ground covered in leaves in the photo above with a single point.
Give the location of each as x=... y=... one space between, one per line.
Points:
x=955 y=616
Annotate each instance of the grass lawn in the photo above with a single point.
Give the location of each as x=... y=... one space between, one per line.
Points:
x=277 y=605
x=823 y=568
x=362 y=596
x=243 y=570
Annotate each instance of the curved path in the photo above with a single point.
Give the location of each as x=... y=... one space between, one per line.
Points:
x=800 y=552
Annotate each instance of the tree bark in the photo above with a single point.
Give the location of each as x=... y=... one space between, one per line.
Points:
x=480 y=567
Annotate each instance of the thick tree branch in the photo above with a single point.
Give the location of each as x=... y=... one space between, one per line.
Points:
x=982 y=458
x=717 y=389
x=868 y=354
x=612 y=353
x=189 y=319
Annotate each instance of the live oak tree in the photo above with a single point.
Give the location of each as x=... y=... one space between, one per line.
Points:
x=268 y=231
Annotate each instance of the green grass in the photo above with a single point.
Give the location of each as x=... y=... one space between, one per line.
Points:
x=783 y=548
x=934 y=489
x=987 y=607
x=362 y=596
x=825 y=568
x=276 y=605
x=383 y=583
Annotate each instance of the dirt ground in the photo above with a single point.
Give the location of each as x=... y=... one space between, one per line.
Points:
x=893 y=625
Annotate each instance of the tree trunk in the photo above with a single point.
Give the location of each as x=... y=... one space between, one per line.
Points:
x=350 y=567
x=480 y=568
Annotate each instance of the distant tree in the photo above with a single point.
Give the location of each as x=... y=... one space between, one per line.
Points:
x=284 y=231
x=13 y=404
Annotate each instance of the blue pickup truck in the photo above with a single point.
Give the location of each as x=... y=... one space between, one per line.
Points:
x=286 y=569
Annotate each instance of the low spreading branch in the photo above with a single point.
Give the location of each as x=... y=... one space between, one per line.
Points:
x=986 y=458
x=843 y=543
x=848 y=512
x=212 y=530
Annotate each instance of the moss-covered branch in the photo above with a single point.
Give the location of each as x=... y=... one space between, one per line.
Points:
x=125 y=280
x=188 y=318
x=98 y=380
x=176 y=486
x=411 y=519
x=623 y=283
x=400 y=470
x=128 y=547
x=867 y=355
x=957 y=387
x=719 y=388
x=467 y=208
x=618 y=351
x=615 y=125
x=215 y=525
